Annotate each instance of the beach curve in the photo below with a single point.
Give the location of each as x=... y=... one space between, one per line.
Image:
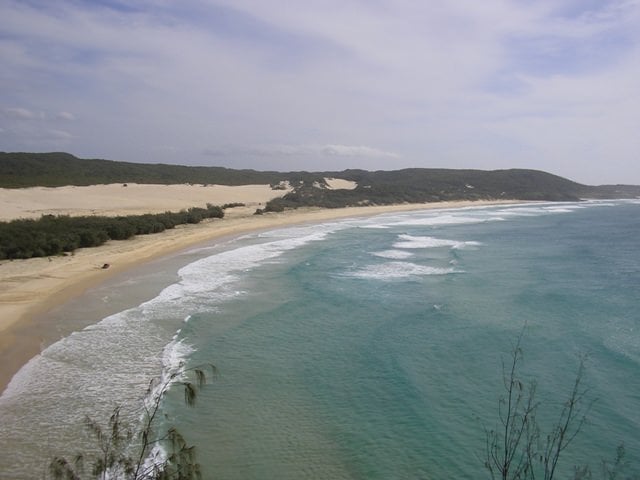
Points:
x=30 y=288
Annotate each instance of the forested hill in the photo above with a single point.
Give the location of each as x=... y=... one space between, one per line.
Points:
x=59 y=169
x=373 y=188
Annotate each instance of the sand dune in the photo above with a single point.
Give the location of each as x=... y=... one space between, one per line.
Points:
x=116 y=199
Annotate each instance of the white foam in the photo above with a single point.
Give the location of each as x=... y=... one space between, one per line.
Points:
x=303 y=231
x=546 y=208
x=110 y=363
x=563 y=208
x=479 y=214
x=446 y=219
x=396 y=270
x=521 y=212
x=211 y=280
x=559 y=210
x=393 y=254
x=419 y=242
x=174 y=356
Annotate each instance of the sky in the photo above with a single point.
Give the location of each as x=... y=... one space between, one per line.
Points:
x=317 y=85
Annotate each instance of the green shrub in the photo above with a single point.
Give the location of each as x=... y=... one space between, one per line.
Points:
x=54 y=235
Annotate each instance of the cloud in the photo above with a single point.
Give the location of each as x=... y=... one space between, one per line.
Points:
x=66 y=116
x=550 y=84
x=356 y=151
x=22 y=114
x=320 y=150
x=30 y=129
x=60 y=134
x=302 y=150
x=288 y=157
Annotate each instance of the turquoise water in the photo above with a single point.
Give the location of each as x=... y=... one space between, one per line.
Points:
x=369 y=348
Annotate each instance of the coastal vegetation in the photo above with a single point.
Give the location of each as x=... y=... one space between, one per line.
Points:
x=55 y=235
x=419 y=185
x=515 y=449
x=148 y=451
x=519 y=448
x=20 y=170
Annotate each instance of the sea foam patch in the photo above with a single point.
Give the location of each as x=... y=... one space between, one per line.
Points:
x=420 y=242
x=397 y=270
x=438 y=220
x=521 y=212
x=302 y=231
x=540 y=209
x=393 y=254
x=211 y=280
x=375 y=227
x=562 y=208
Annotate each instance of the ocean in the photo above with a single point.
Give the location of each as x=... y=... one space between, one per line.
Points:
x=366 y=348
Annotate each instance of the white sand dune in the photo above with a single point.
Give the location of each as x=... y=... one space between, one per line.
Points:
x=132 y=199
x=340 y=184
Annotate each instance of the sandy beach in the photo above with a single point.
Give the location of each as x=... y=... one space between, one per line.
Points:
x=29 y=288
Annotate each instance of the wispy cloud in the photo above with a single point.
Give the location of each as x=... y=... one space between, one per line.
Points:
x=319 y=150
x=59 y=134
x=357 y=151
x=550 y=84
x=35 y=129
x=288 y=157
x=66 y=116
x=22 y=113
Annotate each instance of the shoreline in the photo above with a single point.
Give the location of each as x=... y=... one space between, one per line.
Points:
x=30 y=288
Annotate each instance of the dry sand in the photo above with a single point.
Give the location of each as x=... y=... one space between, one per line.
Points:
x=29 y=288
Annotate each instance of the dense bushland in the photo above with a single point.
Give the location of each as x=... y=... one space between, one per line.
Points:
x=54 y=235
x=420 y=185
x=57 y=169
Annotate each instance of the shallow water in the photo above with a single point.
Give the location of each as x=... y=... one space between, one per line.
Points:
x=366 y=348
